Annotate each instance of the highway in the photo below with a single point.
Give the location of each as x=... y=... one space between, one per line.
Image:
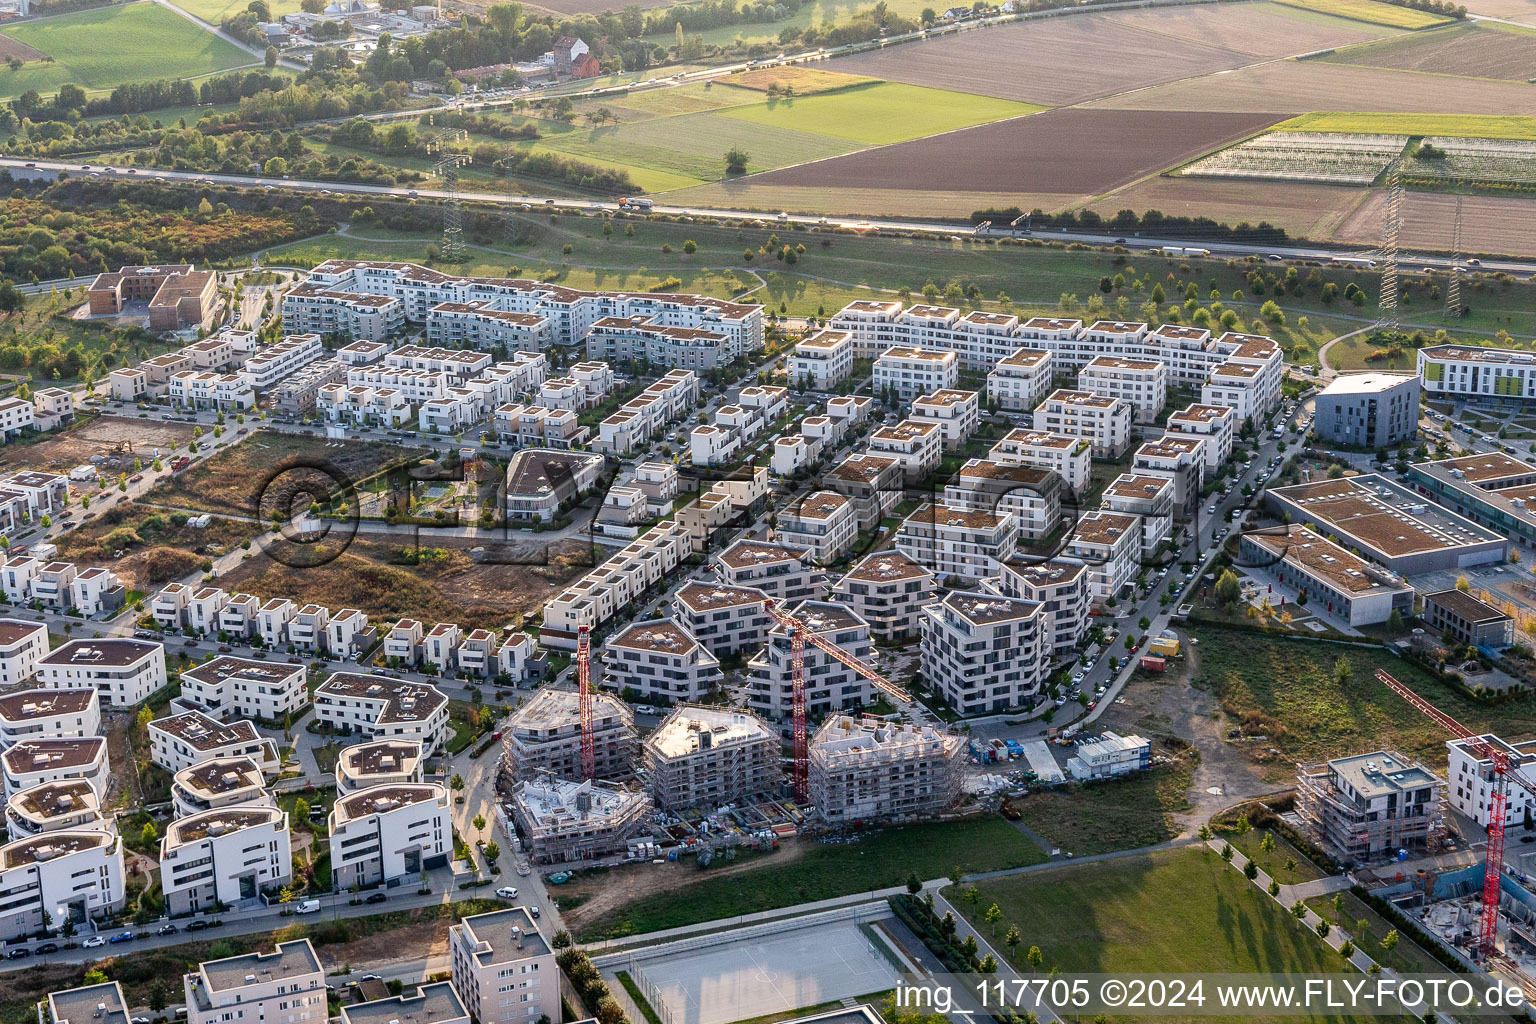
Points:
x=1220 y=249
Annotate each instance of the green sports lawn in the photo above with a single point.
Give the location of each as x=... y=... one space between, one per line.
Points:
x=106 y=47
x=881 y=114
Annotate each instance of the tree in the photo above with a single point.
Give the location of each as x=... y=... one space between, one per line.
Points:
x=271 y=56
x=1389 y=940
x=1274 y=887
x=736 y=161
x=456 y=783
x=149 y=834
x=95 y=976
x=1395 y=622
x=1226 y=852
x=993 y=915
x=914 y=884
x=972 y=896
x=1228 y=589
x=561 y=939
x=1250 y=871
x=1322 y=929
x=609 y=1011
x=1343 y=671
x=988 y=964
x=492 y=851
x=690 y=246
x=301 y=809
x=1011 y=939
x=158 y=996
x=1299 y=911
x=1267 y=844
x=1346 y=949
x=479 y=823
x=1035 y=958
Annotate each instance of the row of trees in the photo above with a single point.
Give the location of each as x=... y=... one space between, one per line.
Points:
x=1153 y=223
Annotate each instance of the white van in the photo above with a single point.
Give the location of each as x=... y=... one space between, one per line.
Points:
x=307 y=907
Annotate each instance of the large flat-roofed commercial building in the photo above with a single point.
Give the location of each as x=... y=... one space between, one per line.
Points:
x=1389 y=524
x=1497 y=375
x=503 y=969
x=286 y=985
x=1491 y=489
x=1466 y=620
x=1372 y=410
x=543 y=736
x=1369 y=805
x=1351 y=588
x=123 y=672
x=706 y=757
x=868 y=769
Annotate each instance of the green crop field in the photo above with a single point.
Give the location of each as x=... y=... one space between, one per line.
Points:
x=216 y=11
x=878 y=115
x=105 y=47
x=819 y=14
x=1113 y=917
x=1372 y=12
x=1472 y=126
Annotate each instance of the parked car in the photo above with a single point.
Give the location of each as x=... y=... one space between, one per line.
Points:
x=47 y=947
x=378 y=897
x=121 y=937
x=507 y=892
x=94 y=941
x=197 y=926
x=18 y=954
x=168 y=929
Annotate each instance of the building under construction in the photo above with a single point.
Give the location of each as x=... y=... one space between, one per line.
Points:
x=1370 y=805
x=868 y=769
x=544 y=736
x=706 y=757
x=562 y=821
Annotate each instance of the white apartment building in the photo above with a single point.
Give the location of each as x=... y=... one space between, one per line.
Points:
x=22 y=645
x=1182 y=458
x=874 y=482
x=1456 y=371
x=240 y=616
x=1215 y=423
x=222 y=782
x=16 y=415
x=181 y=741
x=227 y=856
x=378 y=763
x=978 y=338
x=823 y=523
x=784 y=573
x=123 y=672
x=503 y=969
x=71 y=806
x=1020 y=381
x=52 y=585
x=888 y=590
x=1109 y=544
x=917 y=445
x=957 y=414
x=705 y=757
x=199 y=389
x=598 y=596
x=822 y=361
x=661 y=661
x=1141 y=382
x=361 y=405
x=17 y=577
x=307 y=629
x=378 y=706
x=870 y=770
x=985 y=653
x=534 y=426
x=1071 y=458
x=78 y=872
x=1470 y=779
x=830 y=685
x=791 y=453
x=1102 y=420
x=49 y=714
x=723 y=618
x=270 y=365
x=1031 y=494
x=1061 y=590
x=285 y=986
x=1148 y=498
x=905 y=372
x=386 y=834
x=34 y=762
x=239 y=688
x=710 y=444
x=967 y=543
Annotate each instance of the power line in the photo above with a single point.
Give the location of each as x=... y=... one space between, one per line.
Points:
x=1453 y=287
x=1386 y=313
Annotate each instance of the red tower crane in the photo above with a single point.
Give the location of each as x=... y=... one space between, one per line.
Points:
x=1503 y=778
x=584 y=698
x=800 y=635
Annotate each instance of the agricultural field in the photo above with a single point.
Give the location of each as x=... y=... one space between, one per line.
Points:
x=1112 y=917
x=1474 y=161
x=1067 y=151
x=752 y=194
x=817 y=14
x=105 y=47
x=1259 y=29
x=1051 y=61
x=1374 y=13
x=1316 y=157
x=1471 y=126
x=1523 y=11
x=880 y=114
x=802 y=80
x=1490 y=224
x=1480 y=50
x=215 y=11
x=1306 y=211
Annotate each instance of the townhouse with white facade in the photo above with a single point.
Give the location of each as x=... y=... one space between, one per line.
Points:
x=535 y=426
x=52 y=585
x=642 y=418
x=274 y=363
x=224 y=857
x=984 y=653
x=660 y=661
x=240 y=616
x=272 y=621
x=307 y=628
x=343 y=630
x=623 y=577
x=123 y=672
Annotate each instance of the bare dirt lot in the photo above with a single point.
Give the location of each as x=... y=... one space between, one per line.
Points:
x=1489 y=223
x=62 y=451
x=1262 y=29
x=804 y=81
x=1052 y=61
x=1308 y=211
x=1513 y=10
x=1301 y=86
x=446 y=582
x=1056 y=151
x=1476 y=51
x=266 y=470
x=15 y=48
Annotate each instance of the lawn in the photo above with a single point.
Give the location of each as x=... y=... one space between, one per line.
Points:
x=1406 y=958
x=1273 y=864
x=878 y=860
x=216 y=11
x=1471 y=126
x=1286 y=689
x=43 y=322
x=1121 y=814
x=1374 y=13
x=102 y=48
x=881 y=114
x=1166 y=913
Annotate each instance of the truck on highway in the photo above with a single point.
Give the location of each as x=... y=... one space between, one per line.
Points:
x=1353 y=261
x=1182 y=250
x=636 y=204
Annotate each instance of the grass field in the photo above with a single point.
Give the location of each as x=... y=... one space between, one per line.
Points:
x=1286 y=689
x=1114 y=917
x=216 y=11
x=1471 y=126
x=1373 y=13
x=1124 y=814
x=803 y=80
x=881 y=114
x=105 y=47
x=878 y=860
x=818 y=14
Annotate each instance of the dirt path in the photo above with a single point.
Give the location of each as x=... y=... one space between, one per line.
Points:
x=1172 y=706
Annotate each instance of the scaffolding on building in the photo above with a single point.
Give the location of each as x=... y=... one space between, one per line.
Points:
x=1338 y=823
x=852 y=777
x=563 y=821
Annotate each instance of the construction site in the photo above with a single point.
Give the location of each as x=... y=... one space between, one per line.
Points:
x=864 y=770
x=710 y=757
x=545 y=735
